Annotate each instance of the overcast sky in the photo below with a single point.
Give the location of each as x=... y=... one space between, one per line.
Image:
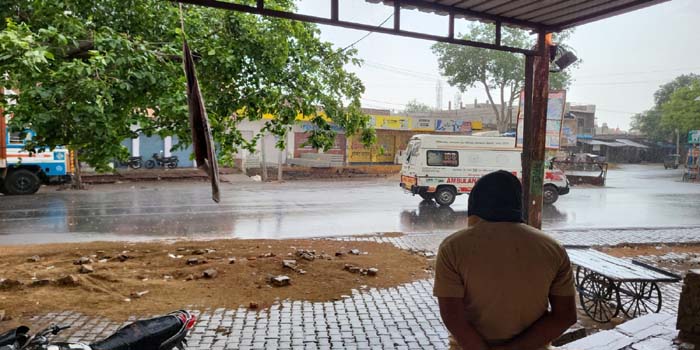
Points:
x=625 y=58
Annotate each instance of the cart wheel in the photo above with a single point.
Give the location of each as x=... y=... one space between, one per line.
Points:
x=598 y=297
x=639 y=298
x=580 y=274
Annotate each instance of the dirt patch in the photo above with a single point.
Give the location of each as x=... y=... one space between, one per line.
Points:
x=172 y=274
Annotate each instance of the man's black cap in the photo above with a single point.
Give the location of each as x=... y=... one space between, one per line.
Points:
x=497 y=197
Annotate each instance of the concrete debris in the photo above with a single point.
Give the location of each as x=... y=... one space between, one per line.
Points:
x=231 y=261
x=173 y=256
x=339 y=253
x=355 y=251
x=290 y=264
x=195 y=261
x=9 y=284
x=280 y=281
x=86 y=269
x=372 y=271
x=210 y=273
x=34 y=258
x=309 y=255
x=267 y=255
x=136 y=295
x=189 y=277
x=40 y=283
x=123 y=257
x=181 y=249
x=199 y=252
x=82 y=261
x=68 y=280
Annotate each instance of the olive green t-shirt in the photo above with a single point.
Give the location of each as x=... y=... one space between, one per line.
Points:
x=505 y=273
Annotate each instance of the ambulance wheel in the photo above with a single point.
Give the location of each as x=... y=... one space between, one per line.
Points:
x=21 y=182
x=550 y=194
x=445 y=196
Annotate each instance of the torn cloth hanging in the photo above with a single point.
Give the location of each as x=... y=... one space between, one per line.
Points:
x=202 y=141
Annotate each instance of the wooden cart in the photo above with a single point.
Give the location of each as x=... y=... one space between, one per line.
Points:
x=607 y=285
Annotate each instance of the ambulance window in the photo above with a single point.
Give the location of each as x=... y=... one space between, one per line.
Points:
x=16 y=138
x=443 y=158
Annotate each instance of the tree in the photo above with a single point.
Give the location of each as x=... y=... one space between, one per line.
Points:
x=502 y=73
x=654 y=123
x=86 y=71
x=682 y=110
x=413 y=106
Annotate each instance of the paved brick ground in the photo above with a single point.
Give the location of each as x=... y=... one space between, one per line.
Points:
x=404 y=317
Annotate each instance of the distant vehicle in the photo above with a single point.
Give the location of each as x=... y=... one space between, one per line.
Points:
x=443 y=167
x=162 y=161
x=672 y=161
x=23 y=173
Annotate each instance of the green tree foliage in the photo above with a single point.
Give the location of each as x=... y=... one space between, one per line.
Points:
x=660 y=122
x=86 y=71
x=682 y=110
x=497 y=72
x=413 y=106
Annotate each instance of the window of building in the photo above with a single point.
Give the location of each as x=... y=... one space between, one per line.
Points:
x=443 y=158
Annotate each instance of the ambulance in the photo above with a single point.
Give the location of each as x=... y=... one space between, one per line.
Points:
x=441 y=167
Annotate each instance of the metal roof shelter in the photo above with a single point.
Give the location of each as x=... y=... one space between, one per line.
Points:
x=540 y=16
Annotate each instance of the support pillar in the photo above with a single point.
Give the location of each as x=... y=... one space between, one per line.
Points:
x=534 y=130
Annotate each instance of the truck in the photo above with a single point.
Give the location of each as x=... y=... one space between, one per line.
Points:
x=442 y=167
x=23 y=172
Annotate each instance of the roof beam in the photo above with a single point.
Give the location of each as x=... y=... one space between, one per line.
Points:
x=354 y=25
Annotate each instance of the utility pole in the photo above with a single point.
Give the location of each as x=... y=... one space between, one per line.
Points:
x=534 y=129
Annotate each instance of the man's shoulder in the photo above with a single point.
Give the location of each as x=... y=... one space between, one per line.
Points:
x=456 y=237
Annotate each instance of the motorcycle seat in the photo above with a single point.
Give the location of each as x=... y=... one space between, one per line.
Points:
x=142 y=335
x=11 y=336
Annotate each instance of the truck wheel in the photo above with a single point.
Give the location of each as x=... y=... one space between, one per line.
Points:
x=550 y=194
x=445 y=196
x=21 y=182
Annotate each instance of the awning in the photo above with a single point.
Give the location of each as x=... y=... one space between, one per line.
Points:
x=602 y=143
x=552 y=15
x=631 y=143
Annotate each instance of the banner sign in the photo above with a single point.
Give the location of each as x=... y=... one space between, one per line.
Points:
x=694 y=136
x=555 y=115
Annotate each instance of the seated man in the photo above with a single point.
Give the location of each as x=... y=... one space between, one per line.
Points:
x=495 y=279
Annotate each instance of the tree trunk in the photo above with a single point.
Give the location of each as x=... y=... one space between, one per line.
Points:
x=493 y=106
x=77 y=177
x=263 y=162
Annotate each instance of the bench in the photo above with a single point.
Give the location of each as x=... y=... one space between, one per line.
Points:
x=607 y=285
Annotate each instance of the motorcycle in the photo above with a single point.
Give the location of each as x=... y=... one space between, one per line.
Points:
x=132 y=162
x=162 y=161
x=161 y=333
x=135 y=162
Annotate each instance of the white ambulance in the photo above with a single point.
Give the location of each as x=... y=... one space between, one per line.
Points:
x=442 y=167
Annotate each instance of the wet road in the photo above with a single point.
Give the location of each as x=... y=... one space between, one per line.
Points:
x=636 y=196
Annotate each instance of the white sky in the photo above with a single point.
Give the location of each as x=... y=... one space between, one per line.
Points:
x=625 y=58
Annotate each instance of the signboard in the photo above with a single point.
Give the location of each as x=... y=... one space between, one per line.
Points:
x=391 y=122
x=555 y=115
x=453 y=125
x=568 y=133
x=694 y=136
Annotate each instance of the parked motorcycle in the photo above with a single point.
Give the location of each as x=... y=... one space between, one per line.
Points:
x=161 y=333
x=135 y=162
x=162 y=161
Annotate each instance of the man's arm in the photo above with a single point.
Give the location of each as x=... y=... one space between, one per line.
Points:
x=550 y=326
x=455 y=319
